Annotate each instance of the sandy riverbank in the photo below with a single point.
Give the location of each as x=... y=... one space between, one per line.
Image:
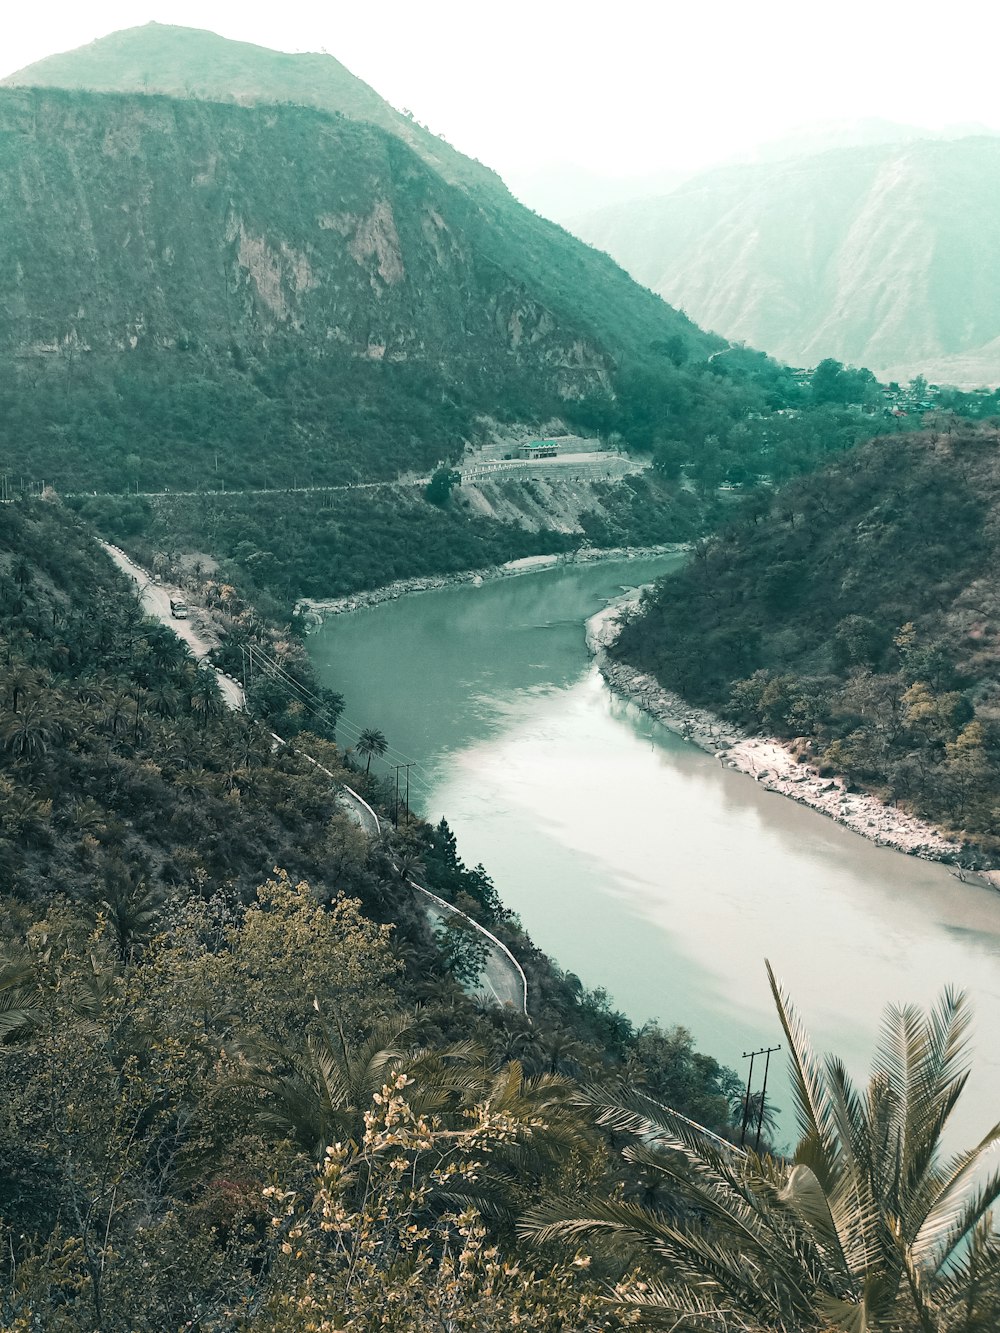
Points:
x=319 y=607
x=771 y=763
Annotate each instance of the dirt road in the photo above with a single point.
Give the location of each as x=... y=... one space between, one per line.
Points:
x=154 y=598
x=503 y=982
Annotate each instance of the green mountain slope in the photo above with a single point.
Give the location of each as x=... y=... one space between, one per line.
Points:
x=187 y=274
x=884 y=256
x=166 y=1026
x=859 y=612
x=193 y=63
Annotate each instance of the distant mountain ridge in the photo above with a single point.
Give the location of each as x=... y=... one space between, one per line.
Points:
x=886 y=256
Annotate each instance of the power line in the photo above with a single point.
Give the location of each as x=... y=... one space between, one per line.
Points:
x=318 y=706
x=334 y=721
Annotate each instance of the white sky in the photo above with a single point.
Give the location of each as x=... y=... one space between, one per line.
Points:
x=620 y=87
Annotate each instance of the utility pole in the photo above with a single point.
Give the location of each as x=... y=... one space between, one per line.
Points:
x=751 y=1056
x=763 y=1094
x=395 y=808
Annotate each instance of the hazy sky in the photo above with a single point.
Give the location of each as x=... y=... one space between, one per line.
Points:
x=620 y=87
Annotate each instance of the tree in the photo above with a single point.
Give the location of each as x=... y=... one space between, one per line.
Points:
x=319 y=1096
x=28 y=734
x=371 y=742
x=439 y=488
x=464 y=951
x=369 y=1248
x=129 y=907
x=206 y=699
x=866 y=1229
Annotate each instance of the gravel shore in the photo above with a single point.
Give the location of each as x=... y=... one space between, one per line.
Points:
x=769 y=761
x=318 y=608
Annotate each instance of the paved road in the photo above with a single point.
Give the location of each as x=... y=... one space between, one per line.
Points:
x=502 y=981
x=592 y=465
x=253 y=490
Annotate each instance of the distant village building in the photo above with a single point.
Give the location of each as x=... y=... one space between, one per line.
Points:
x=538 y=449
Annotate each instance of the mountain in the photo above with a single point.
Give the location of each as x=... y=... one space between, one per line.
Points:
x=856 y=610
x=883 y=255
x=825 y=136
x=194 y=63
x=191 y=276
x=568 y=193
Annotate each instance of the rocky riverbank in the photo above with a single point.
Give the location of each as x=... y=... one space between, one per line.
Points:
x=316 y=609
x=772 y=763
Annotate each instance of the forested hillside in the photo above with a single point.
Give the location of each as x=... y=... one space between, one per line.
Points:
x=882 y=255
x=186 y=1031
x=194 y=63
x=196 y=292
x=856 y=609
x=241 y=1100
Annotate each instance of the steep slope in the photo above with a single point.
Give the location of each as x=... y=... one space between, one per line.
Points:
x=277 y=278
x=884 y=256
x=194 y=63
x=156 y=1007
x=859 y=611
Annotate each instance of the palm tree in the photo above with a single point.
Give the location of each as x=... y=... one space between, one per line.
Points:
x=319 y=1096
x=251 y=745
x=371 y=742
x=164 y=699
x=206 y=700
x=17 y=683
x=116 y=718
x=27 y=734
x=129 y=907
x=22 y=572
x=20 y=999
x=866 y=1229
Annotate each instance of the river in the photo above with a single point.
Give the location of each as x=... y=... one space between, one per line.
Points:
x=636 y=859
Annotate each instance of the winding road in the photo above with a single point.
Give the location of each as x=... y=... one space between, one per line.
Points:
x=502 y=981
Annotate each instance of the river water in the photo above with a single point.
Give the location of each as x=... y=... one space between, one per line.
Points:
x=637 y=860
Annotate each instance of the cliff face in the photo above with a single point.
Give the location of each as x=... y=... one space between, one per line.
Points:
x=883 y=256
x=146 y=223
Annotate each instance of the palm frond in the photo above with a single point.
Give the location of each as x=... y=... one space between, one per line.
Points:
x=705 y=1259
x=672 y=1307
x=969 y=1293
x=20 y=999
x=956 y=1213
x=854 y=1211
x=812 y=1102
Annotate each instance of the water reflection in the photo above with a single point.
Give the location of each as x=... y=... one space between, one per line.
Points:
x=637 y=860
